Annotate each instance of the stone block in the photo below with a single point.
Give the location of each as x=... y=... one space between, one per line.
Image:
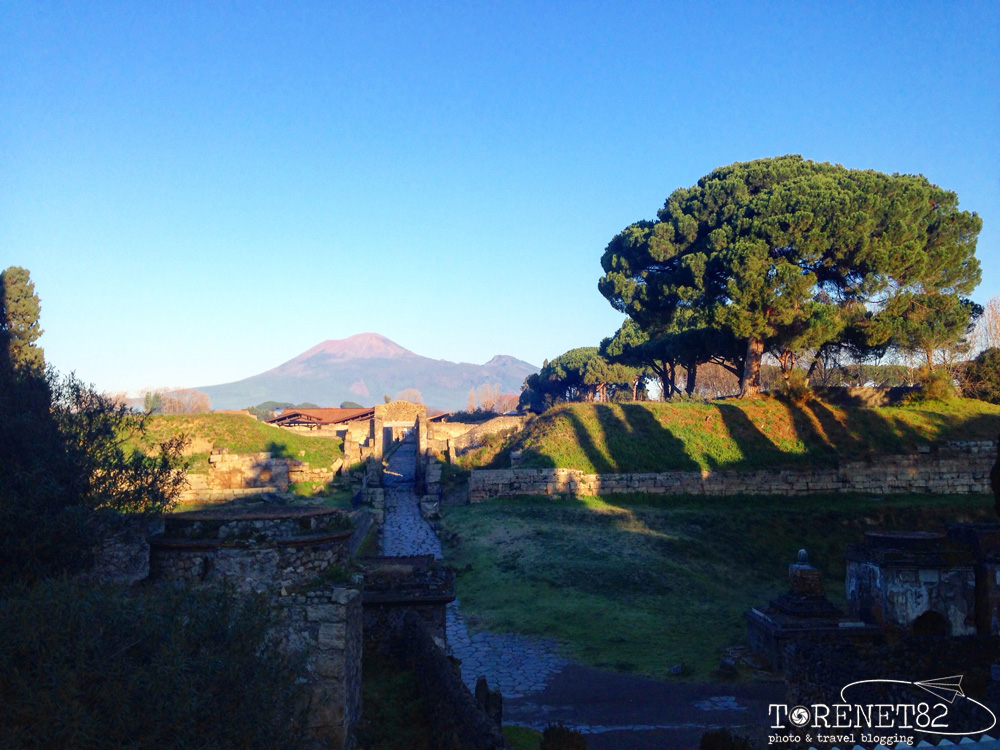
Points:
x=324 y=709
x=327 y=664
x=332 y=635
x=324 y=613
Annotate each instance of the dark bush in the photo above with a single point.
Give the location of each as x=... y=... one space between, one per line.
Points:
x=982 y=377
x=98 y=667
x=558 y=737
x=64 y=456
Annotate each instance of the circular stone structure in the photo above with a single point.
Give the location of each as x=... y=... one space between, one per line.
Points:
x=261 y=549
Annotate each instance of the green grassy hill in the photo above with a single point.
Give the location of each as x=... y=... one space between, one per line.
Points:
x=734 y=434
x=239 y=434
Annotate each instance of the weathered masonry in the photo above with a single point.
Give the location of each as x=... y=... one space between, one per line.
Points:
x=284 y=553
x=956 y=467
x=232 y=476
x=928 y=583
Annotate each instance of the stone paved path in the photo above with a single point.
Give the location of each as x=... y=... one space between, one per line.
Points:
x=517 y=665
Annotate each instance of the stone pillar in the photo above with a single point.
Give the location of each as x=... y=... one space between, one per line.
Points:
x=326 y=625
x=378 y=429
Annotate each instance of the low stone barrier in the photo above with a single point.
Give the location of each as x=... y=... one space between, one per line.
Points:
x=121 y=547
x=456 y=718
x=234 y=475
x=957 y=467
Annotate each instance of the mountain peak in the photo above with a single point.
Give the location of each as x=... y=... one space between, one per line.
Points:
x=358 y=346
x=369 y=365
x=507 y=361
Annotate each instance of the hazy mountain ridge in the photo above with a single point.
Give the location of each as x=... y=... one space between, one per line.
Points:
x=363 y=368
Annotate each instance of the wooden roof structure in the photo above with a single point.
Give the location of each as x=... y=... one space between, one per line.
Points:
x=320 y=417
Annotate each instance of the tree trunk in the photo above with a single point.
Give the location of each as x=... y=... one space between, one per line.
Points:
x=692 y=376
x=661 y=373
x=813 y=365
x=787 y=361
x=750 y=380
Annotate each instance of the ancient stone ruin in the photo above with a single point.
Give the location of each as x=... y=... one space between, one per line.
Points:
x=927 y=583
x=294 y=556
x=802 y=614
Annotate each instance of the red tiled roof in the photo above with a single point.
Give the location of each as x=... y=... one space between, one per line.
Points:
x=322 y=416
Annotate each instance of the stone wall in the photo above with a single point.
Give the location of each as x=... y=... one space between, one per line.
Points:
x=956 y=467
x=893 y=596
x=397 y=585
x=253 y=552
x=457 y=720
x=458 y=437
x=235 y=475
x=286 y=555
x=400 y=411
x=325 y=627
x=121 y=549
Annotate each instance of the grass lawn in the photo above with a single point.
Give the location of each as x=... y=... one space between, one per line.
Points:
x=733 y=434
x=640 y=583
x=240 y=434
x=522 y=738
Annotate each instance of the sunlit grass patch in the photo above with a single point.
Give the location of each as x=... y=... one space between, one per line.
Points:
x=642 y=583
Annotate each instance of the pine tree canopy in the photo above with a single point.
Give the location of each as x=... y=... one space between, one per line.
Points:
x=787 y=255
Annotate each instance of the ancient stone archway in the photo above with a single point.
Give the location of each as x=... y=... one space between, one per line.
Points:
x=394 y=421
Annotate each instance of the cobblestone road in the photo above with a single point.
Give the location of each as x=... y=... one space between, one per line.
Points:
x=517 y=665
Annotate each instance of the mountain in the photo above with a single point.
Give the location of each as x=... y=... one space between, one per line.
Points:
x=364 y=368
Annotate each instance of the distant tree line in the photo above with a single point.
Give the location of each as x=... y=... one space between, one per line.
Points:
x=269 y=409
x=176 y=401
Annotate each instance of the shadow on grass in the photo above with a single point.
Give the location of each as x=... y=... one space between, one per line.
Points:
x=656 y=440
x=597 y=459
x=842 y=437
x=678 y=573
x=755 y=447
x=277 y=450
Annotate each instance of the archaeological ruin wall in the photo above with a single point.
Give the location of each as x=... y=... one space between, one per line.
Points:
x=957 y=467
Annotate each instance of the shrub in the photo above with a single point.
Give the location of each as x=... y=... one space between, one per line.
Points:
x=935 y=385
x=96 y=667
x=982 y=377
x=796 y=387
x=64 y=455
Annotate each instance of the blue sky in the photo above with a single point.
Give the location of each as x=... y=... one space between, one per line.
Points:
x=201 y=191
